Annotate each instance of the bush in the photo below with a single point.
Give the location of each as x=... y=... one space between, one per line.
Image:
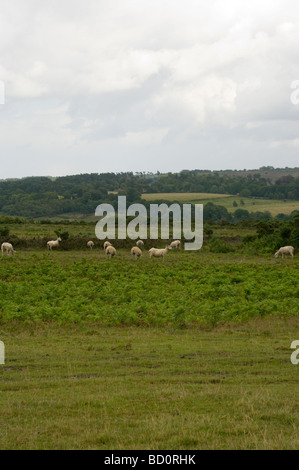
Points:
x=267 y=243
x=249 y=238
x=208 y=231
x=219 y=246
x=4 y=232
x=62 y=235
x=264 y=228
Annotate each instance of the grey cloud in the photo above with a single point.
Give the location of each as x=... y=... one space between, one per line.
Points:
x=147 y=85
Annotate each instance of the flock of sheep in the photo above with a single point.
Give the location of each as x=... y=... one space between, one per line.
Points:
x=108 y=247
x=136 y=250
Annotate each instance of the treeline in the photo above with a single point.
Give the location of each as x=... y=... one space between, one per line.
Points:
x=252 y=184
x=48 y=197
x=80 y=194
x=217 y=213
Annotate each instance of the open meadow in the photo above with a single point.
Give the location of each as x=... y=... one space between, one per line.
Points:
x=230 y=202
x=95 y=387
x=192 y=353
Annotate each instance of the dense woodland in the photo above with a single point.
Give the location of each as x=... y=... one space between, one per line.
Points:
x=38 y=197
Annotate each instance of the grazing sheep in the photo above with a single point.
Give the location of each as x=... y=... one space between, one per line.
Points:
x=90 y=244
x=136 y=252
x=8 y=248
x=53 y=243
x=139 y=243
x=110 y=251
x=175 y=244
x=284 y=250
x=106 y=244
x=159 y=252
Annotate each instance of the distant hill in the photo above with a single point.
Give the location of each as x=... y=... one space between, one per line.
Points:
x=69 y=196
x=268 y=172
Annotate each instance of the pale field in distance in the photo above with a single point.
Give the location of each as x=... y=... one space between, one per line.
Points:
x=251 y=204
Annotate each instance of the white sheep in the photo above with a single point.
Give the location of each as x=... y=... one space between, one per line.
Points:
x=106 y=244
x=159 y=252
x=136 y=252
x=8 y=248
x=284 y=250
x=175 y=244
x=90 y=244
x=139 y=243
x=110 y=251
x=53 y=243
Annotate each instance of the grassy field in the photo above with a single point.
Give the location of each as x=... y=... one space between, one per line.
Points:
x=39 y=231
x=189 y=288
x=251 y=204
x=192 y=353
x=184 y=197
x=31 y=230
x=92 y=387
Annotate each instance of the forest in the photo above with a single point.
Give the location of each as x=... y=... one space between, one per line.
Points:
x=48 y=197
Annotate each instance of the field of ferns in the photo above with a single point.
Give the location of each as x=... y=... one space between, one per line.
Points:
x=188 y=289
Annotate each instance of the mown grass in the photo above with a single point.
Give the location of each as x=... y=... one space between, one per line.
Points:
x=93 y=387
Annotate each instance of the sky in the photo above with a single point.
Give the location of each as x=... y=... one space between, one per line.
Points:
x=93 y=86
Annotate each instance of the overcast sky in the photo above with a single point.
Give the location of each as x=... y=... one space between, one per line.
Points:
x=147 y=85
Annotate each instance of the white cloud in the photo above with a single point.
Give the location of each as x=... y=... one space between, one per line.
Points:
x=92 y=77
x=149 y=137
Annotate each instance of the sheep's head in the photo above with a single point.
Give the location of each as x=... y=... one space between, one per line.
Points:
x=276 y=254
x=59 y=239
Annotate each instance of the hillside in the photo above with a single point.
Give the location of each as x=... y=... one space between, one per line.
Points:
x=78 y=195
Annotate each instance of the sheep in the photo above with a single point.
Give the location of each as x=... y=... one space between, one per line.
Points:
x=53 y=243
x=136 y=252
x=284 y=250
x=8 y=248
x=159 y=252
x=139 y=243
x=106 y=244
x=175 y=244
x=110 y=251
x=90 y=244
